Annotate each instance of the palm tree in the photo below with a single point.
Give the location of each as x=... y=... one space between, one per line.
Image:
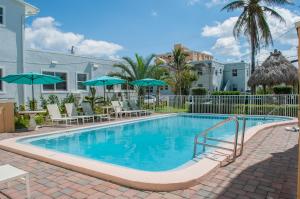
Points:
x=135 y=69
x=253 y=23
x=93 y=99
x=161 y=73
x=182 y=71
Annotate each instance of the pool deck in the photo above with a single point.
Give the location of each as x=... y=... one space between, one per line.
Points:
x=268 y=168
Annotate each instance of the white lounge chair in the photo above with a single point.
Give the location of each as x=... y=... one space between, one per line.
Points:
x=125 y=107
x=118 y=110
x=56 y=116
x=71 y=112
x=87 y=110
x=133 y=106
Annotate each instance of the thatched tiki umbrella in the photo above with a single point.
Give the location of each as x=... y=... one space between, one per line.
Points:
x=276 y=69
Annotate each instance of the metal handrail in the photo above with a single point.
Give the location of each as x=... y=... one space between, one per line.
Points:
x=269 y=113
x=235 y=142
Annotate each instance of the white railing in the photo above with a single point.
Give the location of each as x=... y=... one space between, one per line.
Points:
x=282 y=105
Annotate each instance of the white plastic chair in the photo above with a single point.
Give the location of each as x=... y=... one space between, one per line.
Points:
x=56 y=116
x=71 y=112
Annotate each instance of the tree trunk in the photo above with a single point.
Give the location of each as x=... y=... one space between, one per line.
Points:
x=253 y=52
x=264 y=89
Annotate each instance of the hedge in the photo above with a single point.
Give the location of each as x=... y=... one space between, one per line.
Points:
x=199 y=91
x=283 y=89
x=226 y=93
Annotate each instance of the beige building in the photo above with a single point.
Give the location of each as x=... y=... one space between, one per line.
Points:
x=193 y=56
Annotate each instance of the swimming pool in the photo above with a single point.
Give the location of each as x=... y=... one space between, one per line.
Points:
x=156 y=144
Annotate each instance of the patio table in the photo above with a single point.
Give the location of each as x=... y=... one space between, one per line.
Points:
x=32 y=114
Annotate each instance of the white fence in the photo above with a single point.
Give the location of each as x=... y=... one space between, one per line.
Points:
x=282 y=105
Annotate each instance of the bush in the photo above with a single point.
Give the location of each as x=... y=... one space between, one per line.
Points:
x=283 y=89
x=39 y=119
x=199 y=91
x=21 y=122
x=226 y=93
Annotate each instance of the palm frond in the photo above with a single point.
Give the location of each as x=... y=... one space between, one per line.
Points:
x=234 y=5
x=124 y=68
x=277 y=2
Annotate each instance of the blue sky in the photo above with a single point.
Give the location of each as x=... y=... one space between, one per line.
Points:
x=121 y=28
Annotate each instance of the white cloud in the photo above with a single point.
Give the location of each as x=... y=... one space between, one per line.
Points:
x=212 y=3
x=283 y=33
x=44 y=34
x=154 y=13
x=228 y=46
x=220 y=29
x=192 y=2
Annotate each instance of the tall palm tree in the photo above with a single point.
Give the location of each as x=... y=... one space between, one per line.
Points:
x=253 y=24
x=182 y=75
x=131 y=70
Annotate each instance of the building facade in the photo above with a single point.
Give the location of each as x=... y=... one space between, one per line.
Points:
x=14 y=58
x=192 y=56
x=75 y=69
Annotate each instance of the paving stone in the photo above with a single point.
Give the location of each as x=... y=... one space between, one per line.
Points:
x=267 y=169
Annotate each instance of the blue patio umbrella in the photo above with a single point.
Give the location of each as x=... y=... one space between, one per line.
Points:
x=148 y=82
x=104 y=81
x=31 y=79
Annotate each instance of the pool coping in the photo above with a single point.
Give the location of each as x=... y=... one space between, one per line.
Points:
x=170 y=180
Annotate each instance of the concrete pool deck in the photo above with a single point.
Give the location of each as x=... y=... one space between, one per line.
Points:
x=180 y=178
x=273 y=150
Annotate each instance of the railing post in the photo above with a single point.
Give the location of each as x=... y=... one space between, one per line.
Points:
x=243 y=134
x=236 y=138
x=219 y=111
x=285 y=106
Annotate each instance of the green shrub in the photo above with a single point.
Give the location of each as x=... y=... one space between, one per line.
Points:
x=21 y=122
x=226 y=93
x=39 y=119
x=199 y=91
x=283 y=89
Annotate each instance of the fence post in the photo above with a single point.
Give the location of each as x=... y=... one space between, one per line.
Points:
x=285 y=105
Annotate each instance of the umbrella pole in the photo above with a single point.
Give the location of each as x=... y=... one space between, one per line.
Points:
x=32 y=93
x=104 y=93
x=148 y=95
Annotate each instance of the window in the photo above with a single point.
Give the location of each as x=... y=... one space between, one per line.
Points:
x=149 y=89
x=200 y=72
x=234 y=87
x=166 y=87
x=81 y=77
x=234 y=72
x=247 y=72
x=216 y=72
x=1 y=82
x=220 y=71
x=1 y=15
x=62 y=86
x=127 y=86
x=109 y=87
x=200 y=85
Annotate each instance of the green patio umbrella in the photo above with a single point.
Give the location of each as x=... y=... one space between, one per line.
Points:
x=104 y=81
x=148 y=82
x=31 y=79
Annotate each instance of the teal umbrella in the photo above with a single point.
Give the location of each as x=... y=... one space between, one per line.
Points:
x=104 y=81
x=148 y=82
x=31 y=79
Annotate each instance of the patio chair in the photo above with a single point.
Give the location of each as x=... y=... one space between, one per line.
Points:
x=87 y=110
x=118 y=110
x=125 y=107
x=72 y=112
x=56 y=116
x=134 y=106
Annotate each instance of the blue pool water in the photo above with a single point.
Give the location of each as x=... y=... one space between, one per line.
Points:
x=153 y=145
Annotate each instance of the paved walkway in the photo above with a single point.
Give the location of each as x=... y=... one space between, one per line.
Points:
x=267 y=169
